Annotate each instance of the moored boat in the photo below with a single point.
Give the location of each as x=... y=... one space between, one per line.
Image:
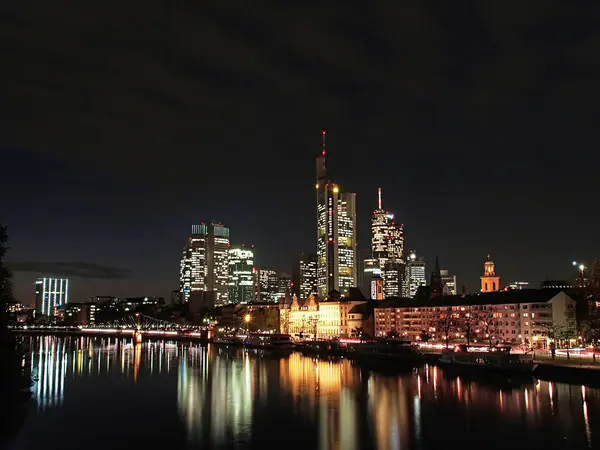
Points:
x=501 y=360
x=321 y=348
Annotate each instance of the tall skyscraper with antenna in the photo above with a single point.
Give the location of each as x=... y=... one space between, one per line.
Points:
x=336 y=232
x=387 y=246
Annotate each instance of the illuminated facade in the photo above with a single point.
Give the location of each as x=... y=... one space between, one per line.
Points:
x=449 y=282
x=241 y=275
x=50 y=293
x=218 y=262
x=300 y=320
x=336 y=233
x=268 y=284
x=414 y=275
x=193 y=268
x=314 y=319
x=387 y=246
x=304 y=277
x=489 y=281
x=519 y=316
x=204 y=263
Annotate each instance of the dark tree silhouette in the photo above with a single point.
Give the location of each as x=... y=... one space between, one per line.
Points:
x=15 y=378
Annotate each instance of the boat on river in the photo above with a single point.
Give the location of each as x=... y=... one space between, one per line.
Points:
x=497 y=359
x=321 y=348
x=267 y=341
x=383 y=350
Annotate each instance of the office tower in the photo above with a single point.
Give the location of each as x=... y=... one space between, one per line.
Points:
x=193 y=267
x=387 y=246
x=49 y=293
x=268 y=285
x=217 y=257
x=371 y=270
x=241 y=275
x=336 y=233
x=204 y=263
x=284 y=288
x=415 y=275
x=304 y=276
x=449 y=282
x=489 y=281
x=393 y=279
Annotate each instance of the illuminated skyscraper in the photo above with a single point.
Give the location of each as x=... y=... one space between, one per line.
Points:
x=336 y=233
x=217 y=257
x=50 y=292
x=268 y=285
x=241 y=275
x=449 y=282
x=304 y=276
x=193 y=268
x=371 y=270
x=204 y=264
x=415 y=275
x=284 y=288
x=387 y=245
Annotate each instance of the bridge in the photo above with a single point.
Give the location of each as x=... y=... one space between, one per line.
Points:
x=134 y=325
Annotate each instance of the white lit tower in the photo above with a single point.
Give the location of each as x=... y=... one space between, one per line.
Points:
x=204 y=263
x=241 y=275
x=336 y=232
x=415 y=275
x=387 y=245
x=193 y=269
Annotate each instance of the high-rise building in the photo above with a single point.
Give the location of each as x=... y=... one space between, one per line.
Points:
x=489 y=281
x=415 y=275
x=50 y=293
x=204 y=263
x=449 y=282
x=336 y=233
x=284 y=288
x=241 y=275
x=371 y=270
x=393 y=279
x=193 y=267
x=304 y=276
x=387 y=246
x=268 y=284
x=217 y=261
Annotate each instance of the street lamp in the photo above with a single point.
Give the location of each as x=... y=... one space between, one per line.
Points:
x=247 y=319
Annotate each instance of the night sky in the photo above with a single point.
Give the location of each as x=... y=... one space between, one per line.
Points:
x=123 y=124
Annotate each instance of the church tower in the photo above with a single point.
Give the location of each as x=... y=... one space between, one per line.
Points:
x=489 y=281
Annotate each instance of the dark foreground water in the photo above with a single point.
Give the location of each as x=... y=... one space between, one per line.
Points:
x=108 y=394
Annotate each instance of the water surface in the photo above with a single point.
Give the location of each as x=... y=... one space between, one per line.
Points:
x=107 y=394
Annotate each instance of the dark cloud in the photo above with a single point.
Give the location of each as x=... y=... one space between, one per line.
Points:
x=70 y=269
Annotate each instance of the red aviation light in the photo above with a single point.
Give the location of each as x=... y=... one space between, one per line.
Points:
x=323 y=153
x=324 y=132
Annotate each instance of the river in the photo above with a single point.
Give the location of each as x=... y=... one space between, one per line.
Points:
x=100 y=393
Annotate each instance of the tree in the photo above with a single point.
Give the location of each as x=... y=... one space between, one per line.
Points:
x=469 y=322
x=15 y=378
x=487 y=323
x=444 y=323
x=591 y=329
x=424 y=336
x=560 y=331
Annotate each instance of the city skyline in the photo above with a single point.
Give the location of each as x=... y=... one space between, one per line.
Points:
x=474 y=150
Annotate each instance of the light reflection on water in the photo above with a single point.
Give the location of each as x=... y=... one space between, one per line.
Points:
x=231 y=397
